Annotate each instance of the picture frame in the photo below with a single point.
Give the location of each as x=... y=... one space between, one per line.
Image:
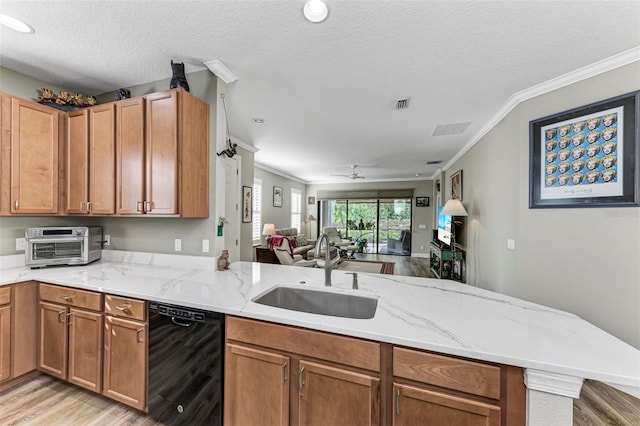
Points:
x=277 y=196
x=587 y=156
x=422 y=201
x=456 y=185
x=247 y=204
x=311 y=200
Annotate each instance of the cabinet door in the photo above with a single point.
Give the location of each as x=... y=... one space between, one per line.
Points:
x=416 y=406
x=334 y=396
x=162 y=153
x=130 y=168
x=34 y=157
x=52 y=350
x=256 y=387
x=85 y=349
x=77 y=161
x=125 y=361
x=102 y=162
x=5 y=342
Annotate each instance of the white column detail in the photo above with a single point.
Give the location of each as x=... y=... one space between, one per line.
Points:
x=550 y=398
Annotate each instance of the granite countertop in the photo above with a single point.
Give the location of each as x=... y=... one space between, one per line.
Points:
x=437 y=315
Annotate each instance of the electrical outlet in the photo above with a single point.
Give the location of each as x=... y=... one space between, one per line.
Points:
x=20 y=244
x=177 y=244
x=511 y=244
x=422 y=226
x=205 y=246
x=421 y=247
x=107 y=240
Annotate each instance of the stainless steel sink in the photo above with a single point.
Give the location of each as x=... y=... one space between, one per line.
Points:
x=320 y=302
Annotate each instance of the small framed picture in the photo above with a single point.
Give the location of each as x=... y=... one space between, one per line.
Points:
x=422 y=201
x=247 y=204
x=277 y=196
x=311 y=200
x=456 y=185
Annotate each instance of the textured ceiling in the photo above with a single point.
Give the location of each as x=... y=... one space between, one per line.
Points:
x=327 y=91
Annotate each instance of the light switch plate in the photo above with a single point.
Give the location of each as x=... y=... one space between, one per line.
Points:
x=511 y=244
x=107 y=240
x=20 y=244
x=177 y=244
x=205 y=246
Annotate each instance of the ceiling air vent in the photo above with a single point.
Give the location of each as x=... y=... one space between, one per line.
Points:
x=450 y=129
x=433 y=162
x=402 y=103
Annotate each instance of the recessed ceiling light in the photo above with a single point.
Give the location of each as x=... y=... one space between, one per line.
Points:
x=257 y=120
x=315 y=11
x=16 y=24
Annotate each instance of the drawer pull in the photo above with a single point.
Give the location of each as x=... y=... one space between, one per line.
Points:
x=138 y=331
x=66 y=298
x=124 y=308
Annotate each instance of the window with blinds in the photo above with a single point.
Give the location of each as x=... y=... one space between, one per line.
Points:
x=296 y=208
x=257 y=211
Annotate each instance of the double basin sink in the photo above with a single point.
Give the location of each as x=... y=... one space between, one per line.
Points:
x=320 y=302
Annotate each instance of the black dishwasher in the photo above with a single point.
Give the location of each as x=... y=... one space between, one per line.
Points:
x=186 y=361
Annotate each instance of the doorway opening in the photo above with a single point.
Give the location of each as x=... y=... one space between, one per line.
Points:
x=378 y=226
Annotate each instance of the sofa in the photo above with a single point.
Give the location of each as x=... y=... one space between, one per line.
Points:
x=298 y=241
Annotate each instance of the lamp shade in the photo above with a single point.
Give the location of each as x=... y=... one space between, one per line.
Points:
x=454 y=207
x=269 y=229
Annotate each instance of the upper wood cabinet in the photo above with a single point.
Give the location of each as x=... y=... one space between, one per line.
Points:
x=162 y=155
x=91 y=178
x=29 y=163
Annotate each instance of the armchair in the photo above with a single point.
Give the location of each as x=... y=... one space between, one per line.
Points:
x=286 y=257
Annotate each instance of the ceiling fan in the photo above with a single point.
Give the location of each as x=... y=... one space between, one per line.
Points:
x=354 y=174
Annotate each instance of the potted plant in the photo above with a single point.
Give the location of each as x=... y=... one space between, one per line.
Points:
x=221 y=222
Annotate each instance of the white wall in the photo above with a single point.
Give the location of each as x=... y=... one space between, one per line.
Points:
x=582 y=260
x=280 y=216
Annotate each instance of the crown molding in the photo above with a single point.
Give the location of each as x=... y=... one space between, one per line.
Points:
x=621 y=59
x=244 y=145
x=279 y=173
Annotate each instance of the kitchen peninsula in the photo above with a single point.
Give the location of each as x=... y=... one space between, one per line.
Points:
x=556 y=349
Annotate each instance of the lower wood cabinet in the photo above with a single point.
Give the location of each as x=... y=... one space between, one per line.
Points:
x=126 y=351
x=305 y=378
x=256 y=387
x=417 y=406
x=5 y=342
x=70 y=330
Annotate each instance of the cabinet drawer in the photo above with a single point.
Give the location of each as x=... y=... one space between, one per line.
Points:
x=5 y=295
x=316 y=344
x=71 y=296
x=452 y=373
x=125 y=307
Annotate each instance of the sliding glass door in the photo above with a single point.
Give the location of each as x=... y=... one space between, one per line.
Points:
x=374 y=225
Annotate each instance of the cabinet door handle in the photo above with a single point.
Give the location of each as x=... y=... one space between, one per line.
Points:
x=301 y=378
x=138 y=331
x=284 y=372
x=139 y=206
x=88 y=206
x=60 y=317
x=398 y=402
x=81 y=206
x=17 y=205
x=69 y=318
x=148 y=206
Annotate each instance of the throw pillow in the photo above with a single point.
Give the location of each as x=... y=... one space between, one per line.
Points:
x=301 y=240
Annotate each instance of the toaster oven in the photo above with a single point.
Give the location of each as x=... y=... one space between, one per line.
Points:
x=62 y=245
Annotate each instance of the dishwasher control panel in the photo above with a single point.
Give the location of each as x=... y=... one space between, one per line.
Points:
x=177 y=312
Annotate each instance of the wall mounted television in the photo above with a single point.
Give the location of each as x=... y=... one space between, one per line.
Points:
x=444 y=227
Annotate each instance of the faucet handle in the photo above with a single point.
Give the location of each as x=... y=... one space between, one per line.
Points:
x=354 y=285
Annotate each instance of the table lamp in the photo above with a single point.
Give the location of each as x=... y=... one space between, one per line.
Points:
x=269 y=229
x=453 y=208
